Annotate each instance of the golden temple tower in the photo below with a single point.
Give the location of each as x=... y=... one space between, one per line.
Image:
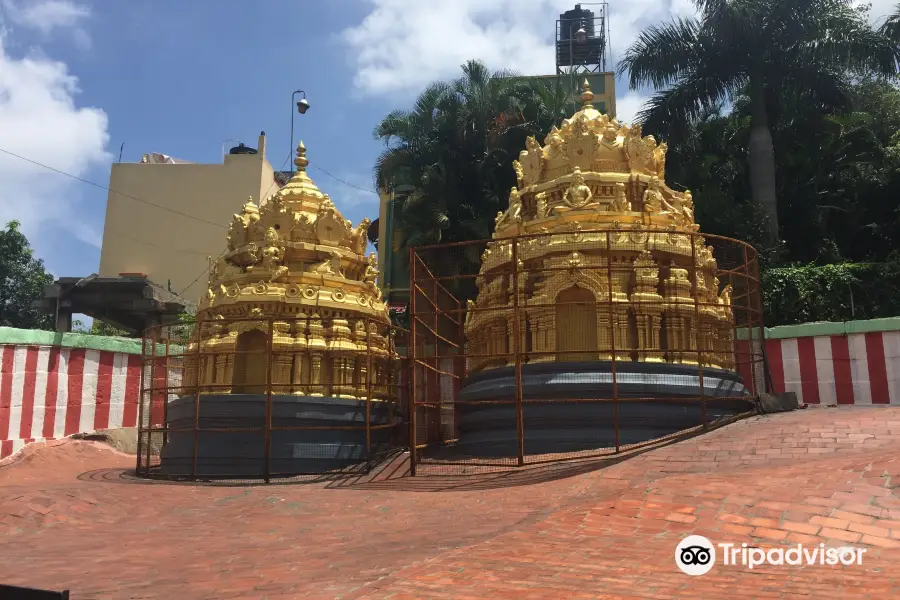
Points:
x=296 y=266
x=620 y=270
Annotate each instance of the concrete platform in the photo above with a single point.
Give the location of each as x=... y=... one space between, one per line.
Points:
x=338 y=443
x=559 y=416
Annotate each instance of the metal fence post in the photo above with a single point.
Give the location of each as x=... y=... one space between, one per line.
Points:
x=369 y=389
x=697 y=331
x=140 y=422
x=517 y=325
x=413 y=343
x=612 y=339
x=269 y=361
x=198 y=328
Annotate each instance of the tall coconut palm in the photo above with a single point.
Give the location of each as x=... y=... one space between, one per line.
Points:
x=891 y=26
x=764 y=48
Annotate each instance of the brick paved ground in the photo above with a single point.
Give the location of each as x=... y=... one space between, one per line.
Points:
x=70 y=519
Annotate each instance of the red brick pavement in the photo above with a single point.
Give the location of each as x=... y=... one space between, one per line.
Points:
x=69 y=519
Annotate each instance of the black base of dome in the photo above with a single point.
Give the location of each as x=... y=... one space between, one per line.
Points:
x=559 y=416
x=222 y=454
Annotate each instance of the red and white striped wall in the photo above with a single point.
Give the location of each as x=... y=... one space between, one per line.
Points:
x=49 y=392
x=854 y=368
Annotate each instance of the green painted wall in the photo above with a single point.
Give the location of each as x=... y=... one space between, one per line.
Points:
x=826 y=328
x=32 y=337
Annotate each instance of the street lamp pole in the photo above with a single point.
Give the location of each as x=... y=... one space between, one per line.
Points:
x=302 y=107
x=580 y=36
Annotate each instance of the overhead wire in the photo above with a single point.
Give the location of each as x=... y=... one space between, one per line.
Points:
x=112 y=191
x=222 y=253
x=172 y=210
x=336 y=178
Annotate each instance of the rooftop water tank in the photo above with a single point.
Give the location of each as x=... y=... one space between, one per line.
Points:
x=582 y=16
x=242 y=149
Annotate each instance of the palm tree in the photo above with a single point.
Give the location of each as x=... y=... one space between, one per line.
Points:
x=456 y=147
x=761 y=48
x=891 y=27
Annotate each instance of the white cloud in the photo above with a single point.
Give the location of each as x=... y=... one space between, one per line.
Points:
x=39 y=120
x=880 y=9
x=402 y=45
x=628 y=105
x=45 y=16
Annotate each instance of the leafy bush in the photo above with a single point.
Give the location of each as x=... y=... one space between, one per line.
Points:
x=838 y=292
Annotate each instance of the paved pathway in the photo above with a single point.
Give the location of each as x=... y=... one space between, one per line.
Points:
x=69 y=518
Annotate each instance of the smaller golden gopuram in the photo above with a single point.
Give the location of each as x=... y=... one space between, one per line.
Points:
x=610 y=264
x=292 y=366
x=295 y=261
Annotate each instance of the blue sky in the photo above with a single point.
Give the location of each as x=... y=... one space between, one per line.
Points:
x=80 y=77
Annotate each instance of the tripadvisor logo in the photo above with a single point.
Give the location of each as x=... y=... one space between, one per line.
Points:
x=696 y=555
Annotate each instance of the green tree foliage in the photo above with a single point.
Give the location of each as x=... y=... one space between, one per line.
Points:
x=99 y=328
x=841 y=292
x=778 y=118
x=838 y=176
x=891 y=26
x=839 y=183
x=771 y=52
x=456 y=148
x=22 y=281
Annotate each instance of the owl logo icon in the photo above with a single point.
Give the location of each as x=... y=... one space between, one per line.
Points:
x=695 y=555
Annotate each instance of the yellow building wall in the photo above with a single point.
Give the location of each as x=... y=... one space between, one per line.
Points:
x=604 y=87
x=165 y=246
x=384 y=200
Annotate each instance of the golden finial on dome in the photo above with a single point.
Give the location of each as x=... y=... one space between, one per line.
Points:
x=250 y=206
x=587 y=96
x=301 y=161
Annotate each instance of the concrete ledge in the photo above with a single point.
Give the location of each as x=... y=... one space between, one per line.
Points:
x=823 y=328
x=775 y=403
x=11 y=336
x=36 y=337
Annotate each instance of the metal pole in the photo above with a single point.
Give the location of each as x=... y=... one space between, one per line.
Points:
x=572 y=68
x=154 y=335
x=768 y=384
x=520 y=422
x=434 y=375
x=199 y=329
x=166 y=400
x=612 y=340
x=269 y=361
x=412 y=361
x=460 y=362
x=292 y=125
x=141 y=403
x=369 y=388
x=697 y=330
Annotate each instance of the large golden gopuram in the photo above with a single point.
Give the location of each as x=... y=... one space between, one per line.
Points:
x=599 y=267
x=295 y=260
x=292 y=366
x=614 y=274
